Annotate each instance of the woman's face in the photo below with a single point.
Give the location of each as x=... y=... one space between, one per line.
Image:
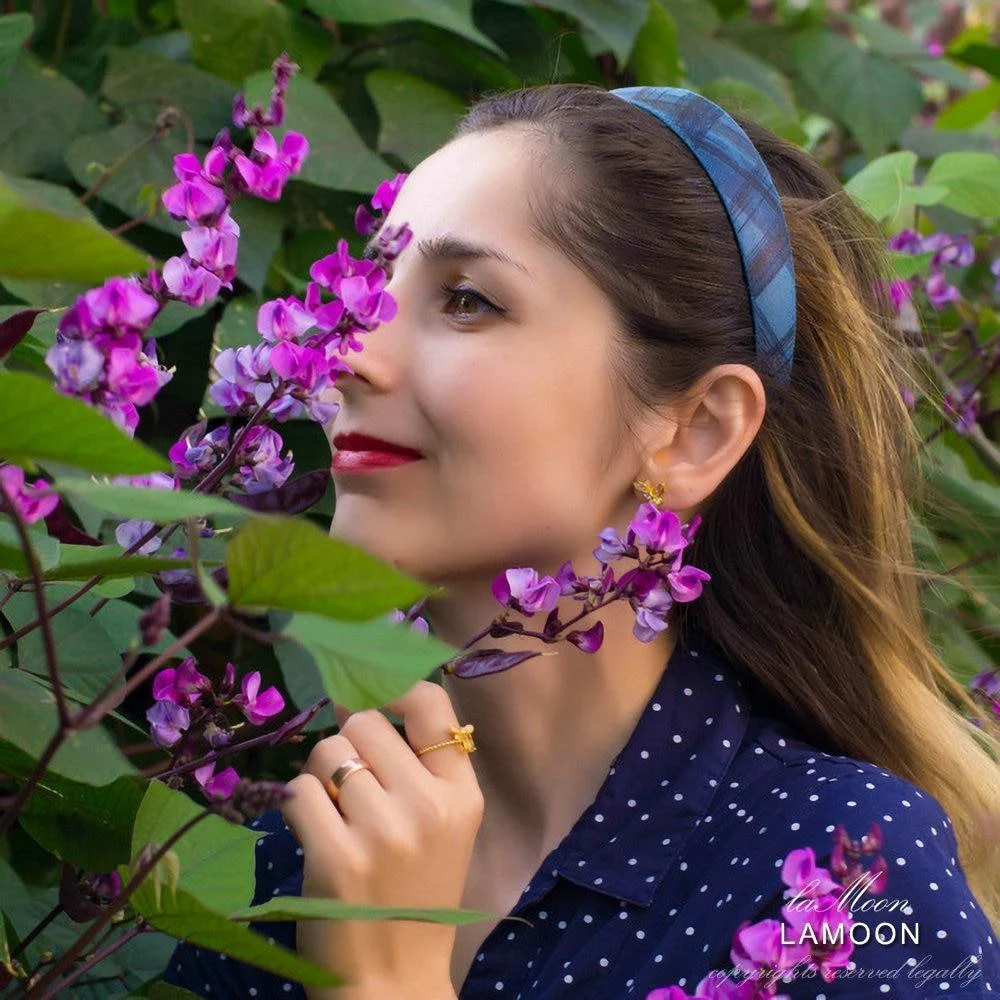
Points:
x=509 y=398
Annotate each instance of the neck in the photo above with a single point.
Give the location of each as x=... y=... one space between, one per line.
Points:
x=548 y=729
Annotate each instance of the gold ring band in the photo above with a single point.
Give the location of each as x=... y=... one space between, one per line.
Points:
x=336 y=780
x=461 y=737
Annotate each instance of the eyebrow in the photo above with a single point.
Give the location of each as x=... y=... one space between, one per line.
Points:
x=448 y=247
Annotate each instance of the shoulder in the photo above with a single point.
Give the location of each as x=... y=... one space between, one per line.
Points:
x=924 y=923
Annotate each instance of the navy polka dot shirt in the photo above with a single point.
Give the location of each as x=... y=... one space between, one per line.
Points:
x=685 y=840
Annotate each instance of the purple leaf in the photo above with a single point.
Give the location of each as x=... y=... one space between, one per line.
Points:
x=60 y=526
x=294 y=497
x=487 y=661
x=14 y=329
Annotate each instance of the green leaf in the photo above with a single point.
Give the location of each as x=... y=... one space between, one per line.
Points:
x=182 y=916
x=453 y=15
x=46 y=547
x=746 y=101
x=971 y=109
x=232 y=38
x=38 y=423
x=416 y=117
x=708 y=59
x=80 y=562
x=316 y=908
x=366 y=664
x=843 y=77
x=973 y=182
x=655 y=56
x=261 y=224
x=88 y=827
x=38 y=243
x=906 y=265
x=291 y=564
x=28 y=721
x=963 y=507
x=14 y=30
x=302 y=682
x=40 y=111
x=88 y=658
x=160 y=506
x=143 y=84
x=216 y=856
x=338 y=157
x=878 y=186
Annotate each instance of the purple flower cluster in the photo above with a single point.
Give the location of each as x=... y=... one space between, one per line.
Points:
x=948 y=250
x=99 y=355
x=652 y=589
x=189 y=712
x=814 y=932
x=32 y=501
x=303 y=340
x=985 y=686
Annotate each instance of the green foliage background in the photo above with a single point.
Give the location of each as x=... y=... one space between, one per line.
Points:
x=97 y=96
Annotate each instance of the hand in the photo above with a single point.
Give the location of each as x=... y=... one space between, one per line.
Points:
x=400 y=834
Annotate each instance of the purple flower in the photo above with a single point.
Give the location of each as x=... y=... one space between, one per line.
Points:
x=804 y=877
x=906 y=241
x=267 y=172
x=77 y=365
x=32 y=502
x=329 y=271
x=216 y=786
x=129 y=532
x=168 y=720
x=685 y=583
x=954 y=251
x=658 y=530
x=263 y=469
x=152 y=481
x=590 y=640
x=283 y=319
x=183 y=685
x=522 y=590
x=995 y=271
x=759 y=947
x=197 y=452
x=133 y=377
x=900 y=291
x=939 y=291
x=612 y=547
x=215 y=247
x=196 y=198
x=190 y=282
x=987 y=682
x=117 y=307
x=827 y=938
x=258 y=707
x=387 y=192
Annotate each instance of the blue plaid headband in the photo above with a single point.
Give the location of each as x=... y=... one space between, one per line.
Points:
x=751 y=201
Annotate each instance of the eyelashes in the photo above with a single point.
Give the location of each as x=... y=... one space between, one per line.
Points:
x=458 y=292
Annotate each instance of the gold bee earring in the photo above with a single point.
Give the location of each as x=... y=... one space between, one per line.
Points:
x=653 y=494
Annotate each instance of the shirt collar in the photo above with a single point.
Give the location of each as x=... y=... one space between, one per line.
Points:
x=661 y=784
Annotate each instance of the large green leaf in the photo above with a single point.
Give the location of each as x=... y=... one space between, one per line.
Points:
x=88 y=657
x=290 y=564
x=879 y=186
x=88 y=827
x=366 y=664
x=416 y=117
x=870 y=94
x=181 y=915
x=746 y=101
x=39 y=243
x=143 y=85
x=80 y=562
x=338 y=158
x=302 y=681
x=37 y=423
x=962 y=506
x=40 y=111
x=28 y=720
x=972 y=180
x=454 y=15
x=47 y=548
x=232 y=38
x=216 y=857
x=14 y=30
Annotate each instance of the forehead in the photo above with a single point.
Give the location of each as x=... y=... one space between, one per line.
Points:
x=476 y=186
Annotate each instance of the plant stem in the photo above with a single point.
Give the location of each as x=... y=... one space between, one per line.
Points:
x=42 y=989
x=116 y=166
x=48 y=643
x=37 y=929
x=17 y=803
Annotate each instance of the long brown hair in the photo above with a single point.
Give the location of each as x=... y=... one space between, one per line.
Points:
x=815 y=593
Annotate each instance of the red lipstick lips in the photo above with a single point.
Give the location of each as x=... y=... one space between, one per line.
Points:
x=358 y=452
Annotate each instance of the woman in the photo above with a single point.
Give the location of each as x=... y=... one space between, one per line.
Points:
x=600 y=293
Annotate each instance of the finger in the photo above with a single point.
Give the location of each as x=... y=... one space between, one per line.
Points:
x=428 y=716
x=315 y=822
x=328 y=755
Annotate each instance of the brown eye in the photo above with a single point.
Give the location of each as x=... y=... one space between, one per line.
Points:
x=466 y=300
